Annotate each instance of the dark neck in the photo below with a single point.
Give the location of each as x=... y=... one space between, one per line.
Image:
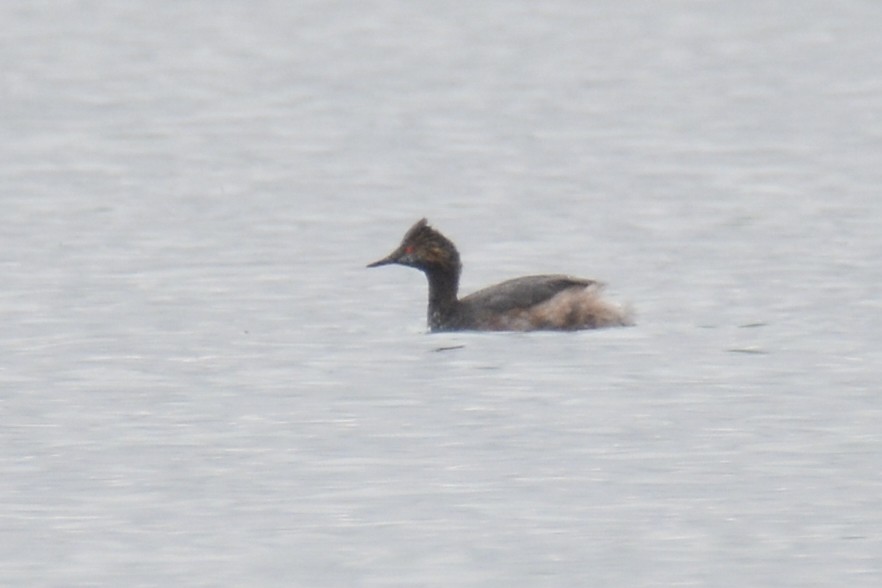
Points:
x=443 y=286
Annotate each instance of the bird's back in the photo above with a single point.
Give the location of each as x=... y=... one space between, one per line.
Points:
x=540 y=302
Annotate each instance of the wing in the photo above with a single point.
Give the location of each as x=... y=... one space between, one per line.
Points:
x=524 y=292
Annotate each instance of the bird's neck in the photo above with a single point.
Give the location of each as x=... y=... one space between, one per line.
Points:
x=443 y=288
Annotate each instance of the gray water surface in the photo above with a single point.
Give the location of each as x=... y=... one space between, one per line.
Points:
x=203 y=386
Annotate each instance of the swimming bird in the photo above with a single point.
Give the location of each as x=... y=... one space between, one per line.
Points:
x=545 y=302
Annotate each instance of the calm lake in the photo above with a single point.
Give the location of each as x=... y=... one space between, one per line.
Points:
x=202 y=385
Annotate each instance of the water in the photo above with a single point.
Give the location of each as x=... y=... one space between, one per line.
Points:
x=203 y=386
